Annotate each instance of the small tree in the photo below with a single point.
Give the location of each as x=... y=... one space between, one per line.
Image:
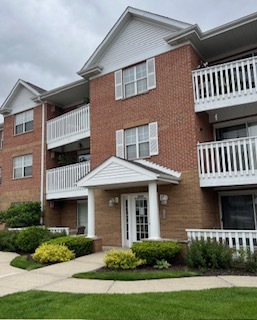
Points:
x=22 y=215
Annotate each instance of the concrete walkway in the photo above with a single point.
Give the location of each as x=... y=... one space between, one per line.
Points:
x=57 y=278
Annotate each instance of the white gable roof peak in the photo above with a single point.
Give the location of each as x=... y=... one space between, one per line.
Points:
x=34 y=90
x=116 y=172
x=92 y=66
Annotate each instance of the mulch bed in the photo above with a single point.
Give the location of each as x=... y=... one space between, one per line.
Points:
x=207 y=272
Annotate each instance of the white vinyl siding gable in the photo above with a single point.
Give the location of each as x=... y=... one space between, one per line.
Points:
x=137 y=142
x=137 y=41
x=135 y=80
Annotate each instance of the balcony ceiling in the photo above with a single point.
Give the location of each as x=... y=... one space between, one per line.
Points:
x=68 y=95
x=219 y=43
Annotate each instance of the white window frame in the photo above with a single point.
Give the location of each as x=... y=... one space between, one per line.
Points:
x=150 y=79
x=23 y=159
x=137 y=142
x=121 y=145
x=22 y=119
x=135 y=80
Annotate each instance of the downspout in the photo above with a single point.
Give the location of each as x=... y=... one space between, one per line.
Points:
x=42 y=162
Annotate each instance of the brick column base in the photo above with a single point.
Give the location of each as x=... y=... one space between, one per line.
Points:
x=97 y=245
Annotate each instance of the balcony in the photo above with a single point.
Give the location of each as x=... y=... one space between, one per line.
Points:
x=225 y=85
x=68 y=128
x=228 y=163
x=61 y=182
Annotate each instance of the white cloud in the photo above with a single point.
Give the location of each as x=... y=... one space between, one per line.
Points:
x=47 y=42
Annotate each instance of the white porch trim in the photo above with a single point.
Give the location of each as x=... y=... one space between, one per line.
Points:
x=154 y=226
x=117 y=173
x=91 y=213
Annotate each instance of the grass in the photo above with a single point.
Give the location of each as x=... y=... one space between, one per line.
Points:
x=131 y=276
x=23 y=263
x=228 y=303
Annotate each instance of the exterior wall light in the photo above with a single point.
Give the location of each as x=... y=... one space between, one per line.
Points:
x=164 y=199
x=113 y=200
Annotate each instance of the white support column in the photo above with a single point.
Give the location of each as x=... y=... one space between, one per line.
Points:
x=91 y=213
x=154 y=230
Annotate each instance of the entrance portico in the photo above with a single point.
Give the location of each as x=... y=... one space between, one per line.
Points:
x=142 y=217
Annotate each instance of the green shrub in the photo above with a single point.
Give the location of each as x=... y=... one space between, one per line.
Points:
x=52 y=253
x=208 y=254
x=246 y=260
x=79 y=245
x=8 y=240
x=122 y=259
x=29 y=239
x=22 y=215
x=151 y=251
x=162 y=264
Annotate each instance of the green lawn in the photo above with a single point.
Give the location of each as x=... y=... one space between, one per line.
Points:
x=23 y=263
x=131 y=276
x=232 y=303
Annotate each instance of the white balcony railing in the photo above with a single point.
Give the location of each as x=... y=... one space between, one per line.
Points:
x=224 y=85
x=228 y=162
x=69 y=127
x=61 y=182
x=237 y=239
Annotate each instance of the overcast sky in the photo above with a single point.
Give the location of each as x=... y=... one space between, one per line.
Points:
x=47 y=41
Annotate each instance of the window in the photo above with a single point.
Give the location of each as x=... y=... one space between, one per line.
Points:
x=135 y=80
x=238 y=212
x=137 y=142
x=22 y=166
x=23 y=122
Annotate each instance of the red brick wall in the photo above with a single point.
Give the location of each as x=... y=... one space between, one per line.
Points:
x=171 y=104
x=26 y=189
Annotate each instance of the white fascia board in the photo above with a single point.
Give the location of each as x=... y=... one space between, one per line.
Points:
x=120 y=24
x=146 y=173
x=4 y=108
x=195 y=30
x=60 y=89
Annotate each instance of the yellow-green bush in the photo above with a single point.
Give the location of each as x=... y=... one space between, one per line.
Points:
x=119 y=259
x=52 y=253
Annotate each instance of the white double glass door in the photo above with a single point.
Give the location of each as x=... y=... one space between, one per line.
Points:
x=135 y=218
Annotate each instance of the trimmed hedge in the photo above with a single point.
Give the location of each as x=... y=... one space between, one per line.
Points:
x=29 y=239
x=8 y=241
x=79 y=245
x=122 y=260
x=53 y=253
x=151 y=251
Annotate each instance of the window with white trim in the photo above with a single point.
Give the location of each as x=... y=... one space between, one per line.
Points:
x=23 y=122
x=22 y=166
x=135 y=80
x=138 y=142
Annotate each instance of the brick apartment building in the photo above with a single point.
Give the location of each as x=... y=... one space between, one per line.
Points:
x=167 y=144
